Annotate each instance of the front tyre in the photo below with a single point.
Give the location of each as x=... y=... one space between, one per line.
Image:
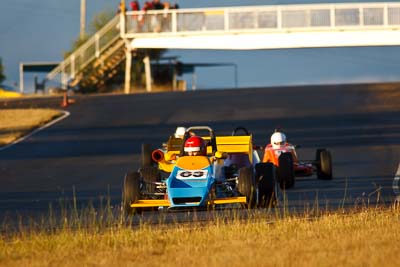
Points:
x=246 y=185
x=266 y=185
x=285 y=171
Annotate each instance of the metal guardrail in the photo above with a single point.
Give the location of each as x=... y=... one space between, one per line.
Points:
x=86 y=53
x=284 y=18
x=231 y=20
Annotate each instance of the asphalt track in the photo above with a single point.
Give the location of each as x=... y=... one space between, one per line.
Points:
x=86 y=155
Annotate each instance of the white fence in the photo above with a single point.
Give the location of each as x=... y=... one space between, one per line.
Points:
x=310 y=17
x=231 y=20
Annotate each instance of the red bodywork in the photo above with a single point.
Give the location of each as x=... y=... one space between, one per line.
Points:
x=300 y=168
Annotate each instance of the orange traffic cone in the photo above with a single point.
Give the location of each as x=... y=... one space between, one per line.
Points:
x=64 y=102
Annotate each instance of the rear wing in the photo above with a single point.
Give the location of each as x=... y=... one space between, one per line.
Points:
x=235 y=144
x=228 y=144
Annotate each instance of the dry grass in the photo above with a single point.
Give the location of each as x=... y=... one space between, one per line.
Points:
x=15 y=123
x=367 y=238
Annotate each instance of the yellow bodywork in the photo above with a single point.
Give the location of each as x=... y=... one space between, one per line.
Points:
x=148 y=203
x=193 y=162
x=225 y=144
x=236 y=144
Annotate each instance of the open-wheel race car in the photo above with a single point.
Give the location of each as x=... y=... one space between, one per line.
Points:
x=284 y=157
x=228 y=172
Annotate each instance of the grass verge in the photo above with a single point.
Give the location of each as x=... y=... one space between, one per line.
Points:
x=15 y=123
x=367 y=237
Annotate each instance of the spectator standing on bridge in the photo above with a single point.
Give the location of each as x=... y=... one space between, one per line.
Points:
x=135 y=6
x=135 y=18
x=146 y=20
x=121 y=8
x=158 y=5
x=157 y=18
x=166 y=19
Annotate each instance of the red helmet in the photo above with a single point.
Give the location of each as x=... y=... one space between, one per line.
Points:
x=195 y=145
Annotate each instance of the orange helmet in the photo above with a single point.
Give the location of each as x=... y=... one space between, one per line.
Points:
x=195 y=145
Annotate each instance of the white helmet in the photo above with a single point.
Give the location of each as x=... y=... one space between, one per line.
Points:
x=180 y=132
x=278 y=139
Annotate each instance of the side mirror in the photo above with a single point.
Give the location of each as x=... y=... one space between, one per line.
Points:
x=221 y=155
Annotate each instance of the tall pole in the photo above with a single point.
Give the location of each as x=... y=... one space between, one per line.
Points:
x=83 y=19
x=128 y=70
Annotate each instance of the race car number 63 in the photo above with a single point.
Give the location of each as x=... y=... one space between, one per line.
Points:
x=183 y=174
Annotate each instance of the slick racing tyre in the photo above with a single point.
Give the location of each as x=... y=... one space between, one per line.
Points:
x=324 y=164
x=147 y=161
x=285 y=171
x=150 y=176
x=266 y=185
x=246 y=185
x=131 y=192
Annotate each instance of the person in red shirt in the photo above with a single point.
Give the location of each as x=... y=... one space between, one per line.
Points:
x=135 y=5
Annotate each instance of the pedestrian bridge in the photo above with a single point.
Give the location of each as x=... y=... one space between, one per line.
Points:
x=265 y=27
x=243 y=27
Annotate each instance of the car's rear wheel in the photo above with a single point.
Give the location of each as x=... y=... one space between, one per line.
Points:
x=246 y=185
x=131 y=192
x=150 y=176
x=285 y=171
x=324 y=164
x=266 y=185
x=147 y=161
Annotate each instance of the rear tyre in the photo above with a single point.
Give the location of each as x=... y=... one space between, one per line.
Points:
x=285 y=171
x=131 y=192
x=146 y=155
x=266 y=185
x=324 y=165
x=246 y=185
x=150 y=175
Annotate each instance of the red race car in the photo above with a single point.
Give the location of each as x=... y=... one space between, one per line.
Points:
x=283 y=155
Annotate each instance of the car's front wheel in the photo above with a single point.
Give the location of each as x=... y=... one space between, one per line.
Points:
x=285 y=171
x=246 y=185
x=266 y=185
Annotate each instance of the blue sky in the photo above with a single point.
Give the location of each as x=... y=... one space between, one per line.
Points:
x=41 y=30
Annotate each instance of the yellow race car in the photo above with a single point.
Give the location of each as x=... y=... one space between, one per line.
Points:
x=229 y=172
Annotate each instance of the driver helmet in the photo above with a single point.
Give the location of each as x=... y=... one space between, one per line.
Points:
x=195 y=146
x=278 y=139
x=180 y=132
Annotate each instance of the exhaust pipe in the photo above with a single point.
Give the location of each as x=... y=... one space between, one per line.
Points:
x=157 y=155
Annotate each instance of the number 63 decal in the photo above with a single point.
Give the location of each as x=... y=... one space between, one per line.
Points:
x=183 y=174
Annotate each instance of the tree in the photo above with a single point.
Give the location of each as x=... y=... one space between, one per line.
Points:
x=98 y=22
x=2 y=76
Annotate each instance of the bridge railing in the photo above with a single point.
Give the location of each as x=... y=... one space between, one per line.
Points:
x=86 y=53
x=230 y=20
x=308 y=17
